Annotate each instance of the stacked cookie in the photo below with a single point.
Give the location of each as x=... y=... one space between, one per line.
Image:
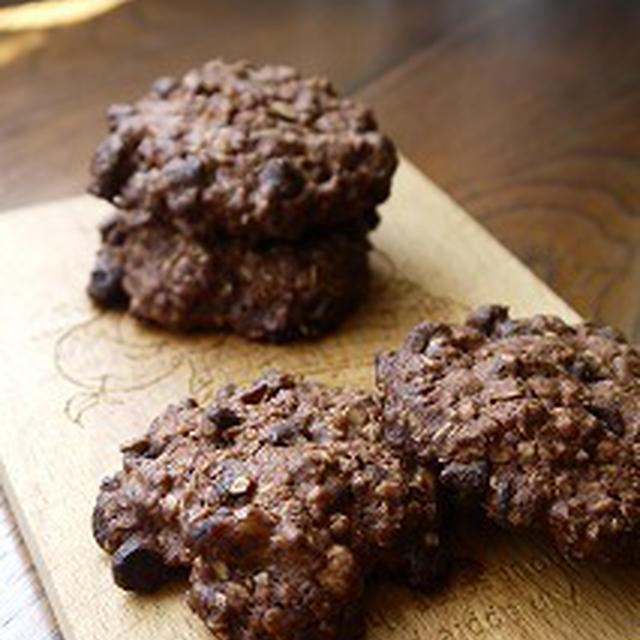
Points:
x=244 y=198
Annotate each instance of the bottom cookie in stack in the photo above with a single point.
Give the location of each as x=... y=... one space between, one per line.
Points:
x=277 y=292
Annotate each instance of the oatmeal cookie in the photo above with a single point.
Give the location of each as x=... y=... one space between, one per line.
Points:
x=257 y=152
x=535 y=420
x=275 y=293
x=283 y=500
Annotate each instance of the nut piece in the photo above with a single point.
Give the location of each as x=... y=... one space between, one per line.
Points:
x=137 y=567
x=240 y=485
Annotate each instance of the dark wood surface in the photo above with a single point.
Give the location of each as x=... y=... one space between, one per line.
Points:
x=526 y=111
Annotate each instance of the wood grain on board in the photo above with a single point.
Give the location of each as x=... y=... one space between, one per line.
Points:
x=24 y=610
x=83 y=380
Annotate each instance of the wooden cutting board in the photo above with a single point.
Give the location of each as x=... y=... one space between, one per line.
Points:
x=76 y=381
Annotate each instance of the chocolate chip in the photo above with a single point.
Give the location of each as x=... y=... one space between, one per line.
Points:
x=485 y=318
x=105 y=284
x=371 y=219
x=213 y=525
x=281 y=433
x=183 y=171
x=139 y=446
x=609 y=417
x=283 y=177
x=424 y=566
x=137 y=567
x=255 y=393
x=223 y=417
x=188 y=403
x=468 y=480
x=585 y=370
x=397 y=435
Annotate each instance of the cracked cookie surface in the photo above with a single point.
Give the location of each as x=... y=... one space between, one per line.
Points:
x=256 y=152
x=534 y=420
x=276 y=293
x=282 y=499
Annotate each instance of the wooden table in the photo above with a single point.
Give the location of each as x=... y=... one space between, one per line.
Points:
x=526 y=111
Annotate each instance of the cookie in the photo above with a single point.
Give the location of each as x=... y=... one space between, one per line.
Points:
x=136 y=513
x=257 y=152
x=275 y=293
x=283 y=500
x=534 y=420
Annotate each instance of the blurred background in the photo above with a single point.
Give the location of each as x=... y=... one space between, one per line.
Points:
x=527 y=112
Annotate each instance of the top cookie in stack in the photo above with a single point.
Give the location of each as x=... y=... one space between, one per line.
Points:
x=235 y=163
x=258 y=153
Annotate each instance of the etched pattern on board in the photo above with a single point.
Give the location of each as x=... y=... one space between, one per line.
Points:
x=109 y=358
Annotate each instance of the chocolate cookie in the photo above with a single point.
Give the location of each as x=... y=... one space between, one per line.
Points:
x=535 y=420
x=137 y=510
x=282 y=498
x=277 y=293
x=242 y=150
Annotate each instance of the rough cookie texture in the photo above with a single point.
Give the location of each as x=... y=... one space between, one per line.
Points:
x=141 y=502
x=275 y=293
x=535 y=420
x=283 y=499
x=242 y=150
